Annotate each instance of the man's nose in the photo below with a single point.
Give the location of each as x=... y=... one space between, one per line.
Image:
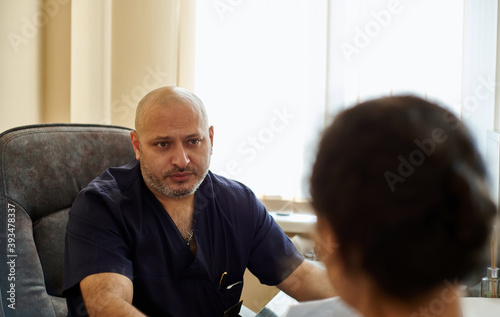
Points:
x=180 y=157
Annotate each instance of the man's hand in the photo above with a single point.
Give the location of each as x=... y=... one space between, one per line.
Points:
x=108 y=294
x=307 y=282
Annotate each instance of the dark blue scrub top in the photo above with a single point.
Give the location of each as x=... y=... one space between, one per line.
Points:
x=116 y=224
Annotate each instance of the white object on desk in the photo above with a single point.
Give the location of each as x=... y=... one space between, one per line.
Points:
x=245 y=312
x=295 y=222
x=321 y=308
x=480 y=307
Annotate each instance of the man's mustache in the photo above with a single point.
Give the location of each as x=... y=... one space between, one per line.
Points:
x=177 y=170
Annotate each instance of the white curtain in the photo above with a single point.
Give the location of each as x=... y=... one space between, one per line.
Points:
x=273 y=72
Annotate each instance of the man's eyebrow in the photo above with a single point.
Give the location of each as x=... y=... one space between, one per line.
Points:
x=168 y=138
x=162 y=138
x=193 y=135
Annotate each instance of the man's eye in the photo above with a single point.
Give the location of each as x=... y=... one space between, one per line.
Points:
x=161 y=144
x=194 y=141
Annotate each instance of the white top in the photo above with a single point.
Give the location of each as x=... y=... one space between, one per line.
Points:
x=322 y=308
x=471 y=307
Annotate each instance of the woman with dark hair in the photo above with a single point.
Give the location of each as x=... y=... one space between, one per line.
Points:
x=403 y=209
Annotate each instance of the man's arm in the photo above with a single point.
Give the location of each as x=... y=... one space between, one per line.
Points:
x=307 y=282
x=108 y=294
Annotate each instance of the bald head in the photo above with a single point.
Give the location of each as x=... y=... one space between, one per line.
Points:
x=172 y=142
x=169 y=96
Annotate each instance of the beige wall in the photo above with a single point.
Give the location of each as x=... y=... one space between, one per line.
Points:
x=145 y=49
x=90 y=61
x=20 y=64
x=55 y=70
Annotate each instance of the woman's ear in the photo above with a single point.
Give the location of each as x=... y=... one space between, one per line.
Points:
x=326 y=242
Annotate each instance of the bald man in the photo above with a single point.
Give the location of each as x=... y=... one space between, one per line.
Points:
x=164 y=236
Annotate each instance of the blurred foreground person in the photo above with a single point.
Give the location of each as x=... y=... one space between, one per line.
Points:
x=403 y=210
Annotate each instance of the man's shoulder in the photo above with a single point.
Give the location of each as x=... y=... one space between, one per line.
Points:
x=220 y=182
x=120 y=178
x=234 y=199
x=227 y=192
x=109 y=191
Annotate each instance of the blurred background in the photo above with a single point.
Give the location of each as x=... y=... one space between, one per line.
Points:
x=272 y=73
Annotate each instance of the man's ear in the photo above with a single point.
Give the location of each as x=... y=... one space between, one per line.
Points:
x=134 y=137
x=211 y=136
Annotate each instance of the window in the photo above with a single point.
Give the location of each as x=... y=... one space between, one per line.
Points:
x=272 y=73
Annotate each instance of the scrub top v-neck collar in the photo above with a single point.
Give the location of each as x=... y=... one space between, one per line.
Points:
x=188 y=263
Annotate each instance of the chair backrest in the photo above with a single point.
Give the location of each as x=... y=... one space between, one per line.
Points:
x=42 y=169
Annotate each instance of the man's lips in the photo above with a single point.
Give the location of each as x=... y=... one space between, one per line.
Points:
x=180 y=177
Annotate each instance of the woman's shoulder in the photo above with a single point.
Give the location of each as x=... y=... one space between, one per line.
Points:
x=321 y=308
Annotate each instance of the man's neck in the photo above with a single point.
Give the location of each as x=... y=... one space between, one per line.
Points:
x=181 y=211
x=175 y=205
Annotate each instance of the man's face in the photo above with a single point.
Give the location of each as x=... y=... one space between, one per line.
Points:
x=174 y=149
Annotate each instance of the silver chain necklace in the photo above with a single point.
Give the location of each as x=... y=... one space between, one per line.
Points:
x=190 y=237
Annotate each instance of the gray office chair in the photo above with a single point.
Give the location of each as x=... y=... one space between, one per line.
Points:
x=42 y=169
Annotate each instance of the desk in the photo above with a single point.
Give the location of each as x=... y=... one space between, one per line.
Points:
x=471 y=307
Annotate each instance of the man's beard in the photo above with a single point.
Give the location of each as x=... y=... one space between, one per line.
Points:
x=160 y=185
